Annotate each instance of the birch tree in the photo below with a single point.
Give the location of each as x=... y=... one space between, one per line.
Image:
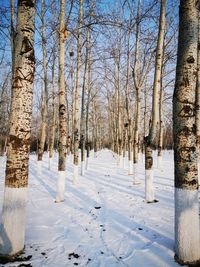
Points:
x=161 y=117
x=119 y=104
x=62 y=108
x=76 y=109
x=198 y=103
x=42 y=137
x=88 y=145
x=129 y=130
x=187 y=231
x=12 y=229
x=71 y=54
x=138 y=97
x=151 y=139
x=83 y=115
x=53 y=125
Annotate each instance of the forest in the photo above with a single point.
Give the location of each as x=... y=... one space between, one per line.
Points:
x=99 y=133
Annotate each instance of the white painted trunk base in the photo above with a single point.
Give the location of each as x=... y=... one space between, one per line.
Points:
x=124 y=162
x=118 y=161
x=60 y=186
x=87 y=164
x=140 y=156
x=114 y=155
x=92 y=153
x=50 y=163
x=143 y=158
x=130 y=167
x=12 y=229
x=159 y=162
x=121 y=161
x=82 y=168
x=149 y=188
x=2 y=162
x=68 y=157
x=39 y=167
x=136 y=180
x=72 y=158
x=187 y=231
x=95 y=155
x=75 y=174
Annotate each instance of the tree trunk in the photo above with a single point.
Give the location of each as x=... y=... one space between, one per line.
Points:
x=42 y=137
x=151 y=139
x=161 y=127
x=53 y=125
x=138 y=99
x=73 y=106
x=145 y=116
x=76 y=110
x=83 y=117
x=161 y=117
x=88 y=145
x=68 y=146
x=124 y=146
x=130 y=163
x=187 y=232
x=62 y=108
x=198 y=102
x=119 y=125
x=12 y=31
x=12 y=229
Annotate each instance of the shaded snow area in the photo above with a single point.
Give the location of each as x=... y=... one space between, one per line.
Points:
x=104 y=220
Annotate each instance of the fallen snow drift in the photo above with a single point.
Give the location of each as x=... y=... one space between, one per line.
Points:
x=104 y=220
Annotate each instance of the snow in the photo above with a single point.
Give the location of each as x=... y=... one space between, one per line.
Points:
x=104 y=220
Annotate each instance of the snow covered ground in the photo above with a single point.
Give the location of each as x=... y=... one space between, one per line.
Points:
x=104 y=220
